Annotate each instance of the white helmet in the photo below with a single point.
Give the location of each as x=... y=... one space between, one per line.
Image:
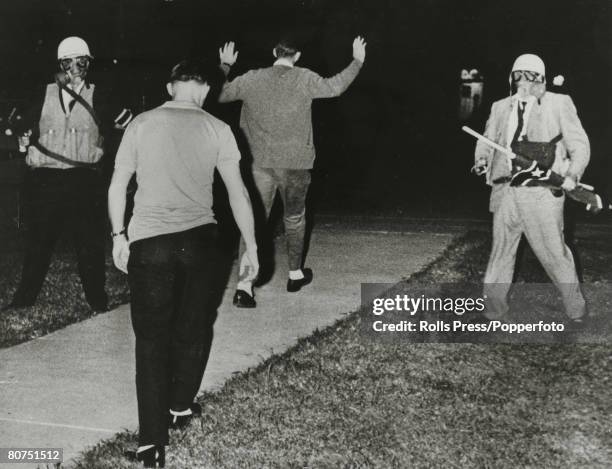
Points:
x=72 y=47
x=529 y=62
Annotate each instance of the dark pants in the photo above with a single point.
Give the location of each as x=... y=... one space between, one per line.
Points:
x=54 y=199
x=292 y=185
x=173 y=305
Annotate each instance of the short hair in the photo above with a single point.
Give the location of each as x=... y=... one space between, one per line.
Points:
x=197 y=70
x=286 y=47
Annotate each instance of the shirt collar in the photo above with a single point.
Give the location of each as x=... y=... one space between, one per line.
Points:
x=284 y=61
x=78 y=89
x=181 y=105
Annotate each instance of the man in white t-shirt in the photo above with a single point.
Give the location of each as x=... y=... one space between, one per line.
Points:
x=171 y=244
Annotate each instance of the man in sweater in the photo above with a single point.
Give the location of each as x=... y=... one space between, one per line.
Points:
x=277 y=123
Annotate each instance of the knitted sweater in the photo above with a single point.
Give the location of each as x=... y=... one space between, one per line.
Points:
x=276 y=112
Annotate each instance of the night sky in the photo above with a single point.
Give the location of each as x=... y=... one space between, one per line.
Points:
x=392 y=141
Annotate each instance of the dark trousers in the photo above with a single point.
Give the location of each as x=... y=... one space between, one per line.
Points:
x=173 y=306
x=58 y=199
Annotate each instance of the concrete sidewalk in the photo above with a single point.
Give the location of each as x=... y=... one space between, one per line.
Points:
x=75 y=387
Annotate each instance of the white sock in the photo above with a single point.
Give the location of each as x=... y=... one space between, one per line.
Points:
x=296 y=274
x=245 y=285
x=181 y=413
x=144 y=448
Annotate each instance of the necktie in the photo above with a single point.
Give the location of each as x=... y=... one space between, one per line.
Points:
x=519 y=127
x=68 y=102
x=71 y=102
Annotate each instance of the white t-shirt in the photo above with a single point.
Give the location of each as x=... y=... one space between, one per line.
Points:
x=174 y=150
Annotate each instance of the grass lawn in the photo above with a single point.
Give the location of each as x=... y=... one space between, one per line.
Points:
x=339 y=400
x=61 y=301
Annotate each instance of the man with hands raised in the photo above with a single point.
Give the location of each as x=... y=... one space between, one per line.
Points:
x=277 y=123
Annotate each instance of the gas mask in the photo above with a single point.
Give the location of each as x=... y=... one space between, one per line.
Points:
x=73 y=69
x=527 y=83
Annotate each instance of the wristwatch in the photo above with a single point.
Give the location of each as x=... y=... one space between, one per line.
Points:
x=122 y=232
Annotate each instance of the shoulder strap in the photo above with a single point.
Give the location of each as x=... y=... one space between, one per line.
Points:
x=81 y=101
x=557 y=139
x=57 y=157
x=63 y=159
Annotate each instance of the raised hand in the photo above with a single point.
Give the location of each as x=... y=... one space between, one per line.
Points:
x=227 y=55
x=359 y=51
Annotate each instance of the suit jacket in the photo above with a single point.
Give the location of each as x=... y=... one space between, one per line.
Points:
x=552 y=115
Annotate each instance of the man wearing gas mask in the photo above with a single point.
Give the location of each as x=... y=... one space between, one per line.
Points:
x=62 y=132
x=532 y=114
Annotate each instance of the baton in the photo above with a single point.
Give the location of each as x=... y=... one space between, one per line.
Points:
x=489 y=142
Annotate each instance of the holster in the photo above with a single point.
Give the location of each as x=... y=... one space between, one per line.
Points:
x=526 y=153
x=542 y=152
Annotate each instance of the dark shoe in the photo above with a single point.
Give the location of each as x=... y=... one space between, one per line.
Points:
x=101 y=308
x=151 y=457
x=296 y=285
x=243 y=300
x=98 y=303
x=181 y=421
x=578 y=324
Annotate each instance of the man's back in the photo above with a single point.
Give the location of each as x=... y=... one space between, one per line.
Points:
x=276 y=114
x=174 y=150
x=276 y=120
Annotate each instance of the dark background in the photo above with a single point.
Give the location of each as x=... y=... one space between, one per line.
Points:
x=391 y=144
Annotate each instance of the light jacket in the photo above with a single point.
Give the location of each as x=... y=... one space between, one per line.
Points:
x=552 y=115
